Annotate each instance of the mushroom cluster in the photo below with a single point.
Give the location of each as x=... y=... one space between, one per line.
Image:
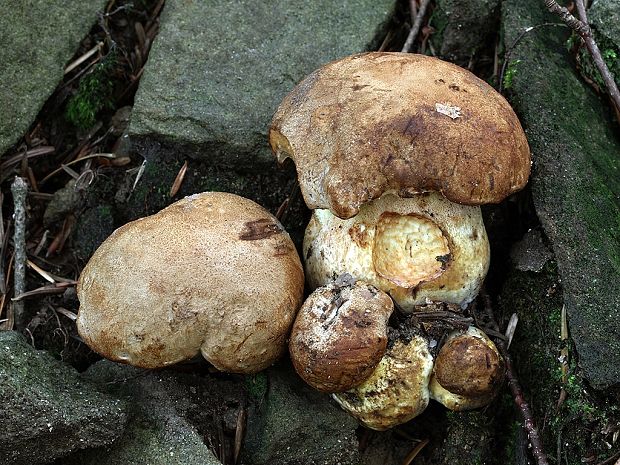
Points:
x=213 y=273
x=395 y=153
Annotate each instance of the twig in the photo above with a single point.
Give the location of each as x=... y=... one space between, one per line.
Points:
x=581 y=27
x=19 y=189
x=415 y=27
x=515 y=388
x=414 y=453
x=83 y=58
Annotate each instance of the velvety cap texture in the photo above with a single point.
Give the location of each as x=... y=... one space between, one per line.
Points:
x=213 y=273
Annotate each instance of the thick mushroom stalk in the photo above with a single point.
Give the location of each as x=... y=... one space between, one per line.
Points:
x=418 y=249
x=213 y=273
x=396 y=391
x=468 y=371
x=340 y=334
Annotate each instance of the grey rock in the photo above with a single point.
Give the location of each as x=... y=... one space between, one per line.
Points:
x=530 y=253
x=292 y=424
x=37 y=39
x=217 y=71
x=120 y=120
x=604 y=17
x=463 y=26
x=47 y=411
x=162 y=427
x=575 y=183
x=65 y=201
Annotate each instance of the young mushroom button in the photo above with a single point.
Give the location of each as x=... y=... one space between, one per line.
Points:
x=213 y=273
x=340 y=334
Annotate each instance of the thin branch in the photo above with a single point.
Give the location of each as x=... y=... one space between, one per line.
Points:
x=19 y=189
x=415 y=27
x=582 y=28
x=515 y=388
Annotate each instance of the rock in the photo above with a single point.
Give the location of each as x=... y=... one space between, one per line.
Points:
x=604 y=16
x=462 y=26
x=171 y=416
x=216 y=73
x=65 y=201
x=530 y=253
x=120 y=121
x=38 y=39
x=291 y=424
x=575 y=183
x=47 y=410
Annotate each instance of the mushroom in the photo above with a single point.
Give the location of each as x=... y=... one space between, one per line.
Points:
x=397 y=390
x=340 y=334
x=468 y=370
x=395 y=153
x=212 y=273
x=368 y=129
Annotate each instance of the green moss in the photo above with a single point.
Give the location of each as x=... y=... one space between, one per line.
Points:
x=510 y=73
x=579 y=419
x=257 y=385
x=94 y=94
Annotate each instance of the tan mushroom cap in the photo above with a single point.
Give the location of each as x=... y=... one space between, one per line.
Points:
x=468 y=371
x=378 y=122
x=340 y=334
x=396 y=391
x=418 y=249
x=212 y=273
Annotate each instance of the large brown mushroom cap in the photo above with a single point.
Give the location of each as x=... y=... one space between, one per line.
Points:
x=340 y=334
x=212 y=273
x=374 y=123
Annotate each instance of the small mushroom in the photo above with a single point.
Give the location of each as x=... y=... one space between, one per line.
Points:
x=340 y=334
x=468 y=371
x=213 y=273
x=396 y=391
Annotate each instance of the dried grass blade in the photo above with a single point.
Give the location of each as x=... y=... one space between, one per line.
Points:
x=84 y=57
x=44 y=274
x=176 y=185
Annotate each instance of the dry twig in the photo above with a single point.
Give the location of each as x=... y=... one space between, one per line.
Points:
x=515 y=388
x=19 y=189
x=415 y=27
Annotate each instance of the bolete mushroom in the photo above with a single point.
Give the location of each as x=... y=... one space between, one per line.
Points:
x=468 y=370
x=340 y=334
x=397 y=390
x=213 y=273
x=389 y=125
x=395 y=153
